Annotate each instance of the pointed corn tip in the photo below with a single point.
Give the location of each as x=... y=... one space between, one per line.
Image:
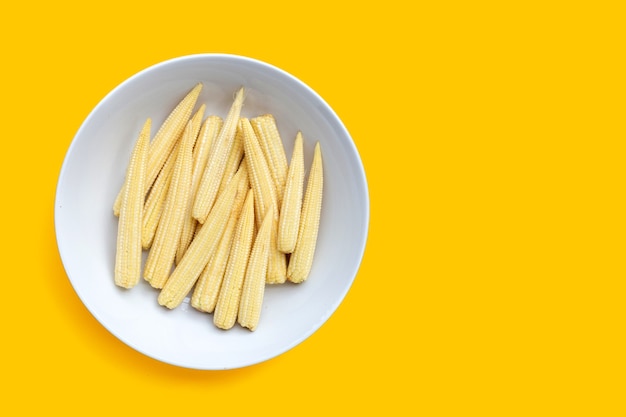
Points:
x=239 y=96
x=146 y=126
x=195 y=91
x=145 y=130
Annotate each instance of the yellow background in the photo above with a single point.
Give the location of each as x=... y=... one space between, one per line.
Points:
x=492 y=136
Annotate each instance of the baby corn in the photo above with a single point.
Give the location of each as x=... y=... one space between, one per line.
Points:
x=218 y=155
x=274 y=151
x=167 y=237
x=258 y=170
x=254 y=282
x=173 y=126
x=153 y=207
x=200 y=152
x=234 y=160
x=265 y=200
x=228 y=300
x=128 y=255
x=289 y=220
x=209 y=131
x=302 y=257
x=164 y=140
x=208 y=286
x=202 y=248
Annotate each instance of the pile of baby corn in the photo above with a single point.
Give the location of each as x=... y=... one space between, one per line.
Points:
x=220 y=210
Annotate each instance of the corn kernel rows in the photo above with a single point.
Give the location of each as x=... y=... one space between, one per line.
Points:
x=220 y=210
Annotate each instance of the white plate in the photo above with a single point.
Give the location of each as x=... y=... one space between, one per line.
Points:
x=93 y=171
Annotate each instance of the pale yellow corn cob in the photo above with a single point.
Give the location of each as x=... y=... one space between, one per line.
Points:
x=274 y=151
x=158 y=192
x=163 y=250
x=202 y=248
x=118 y=202
x=277 y=269
x=198 y=225
x=254 y=282
x=302 y=257
x=196 y=122
x=218 y=155
x=128 y=255
x=258 y=170
x=289 y=220
x=153 y=208
x=209 y=130
x=164 y=140
x=264 y=200
x=234 y=159
x=228 y=300
x=208 y=286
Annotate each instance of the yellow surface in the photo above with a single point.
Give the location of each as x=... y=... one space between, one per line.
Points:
x=492 y=136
